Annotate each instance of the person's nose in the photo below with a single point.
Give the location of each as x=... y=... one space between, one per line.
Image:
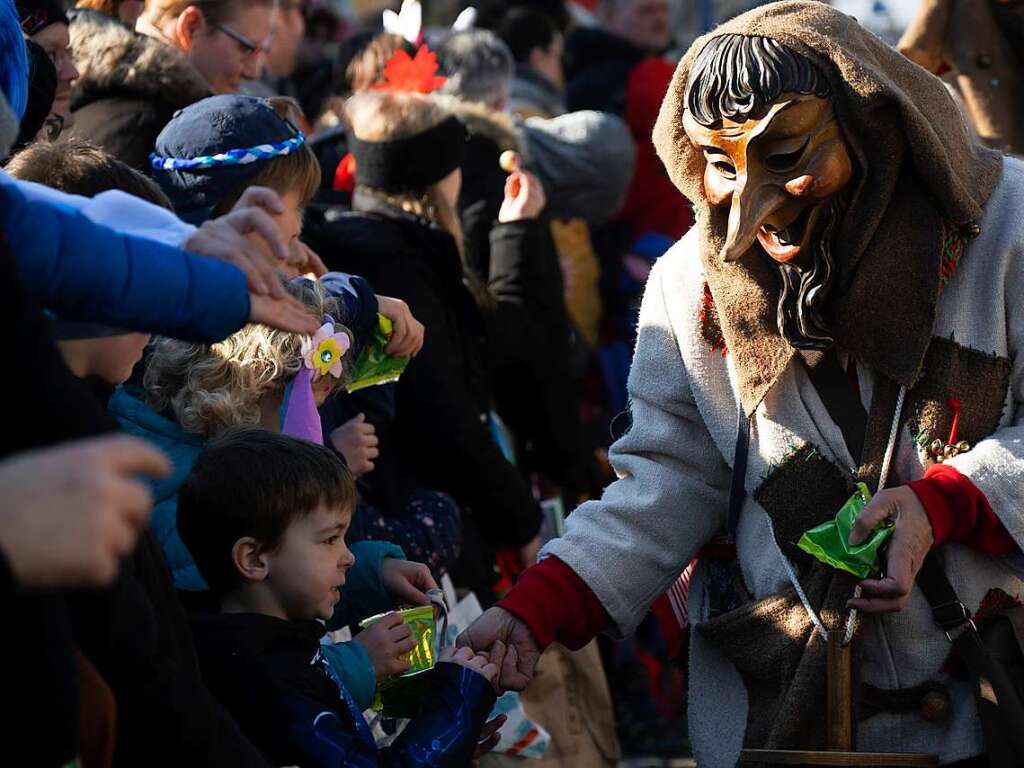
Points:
x=754 y=199
x=346 y=560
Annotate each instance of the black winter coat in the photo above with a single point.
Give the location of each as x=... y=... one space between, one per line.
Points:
x=443 y=399
x=528 y=329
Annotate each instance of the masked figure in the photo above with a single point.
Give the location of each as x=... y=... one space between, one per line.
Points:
x=852 y=288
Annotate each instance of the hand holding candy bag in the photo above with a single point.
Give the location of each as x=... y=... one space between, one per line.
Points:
x=829 y=542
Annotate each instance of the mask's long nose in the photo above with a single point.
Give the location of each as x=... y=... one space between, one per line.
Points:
x=751 y=205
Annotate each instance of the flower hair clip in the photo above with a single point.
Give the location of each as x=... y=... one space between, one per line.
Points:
x=324 y=351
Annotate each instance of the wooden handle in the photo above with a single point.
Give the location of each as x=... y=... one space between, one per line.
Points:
x=840 y=695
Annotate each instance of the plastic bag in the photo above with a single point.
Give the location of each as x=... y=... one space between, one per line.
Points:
x=374 y=365
x=829 y=542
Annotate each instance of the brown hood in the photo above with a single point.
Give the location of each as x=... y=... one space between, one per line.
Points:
x=917 y=168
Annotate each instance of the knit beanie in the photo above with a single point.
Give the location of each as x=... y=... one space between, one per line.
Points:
x=37 y=15
x=212 y=150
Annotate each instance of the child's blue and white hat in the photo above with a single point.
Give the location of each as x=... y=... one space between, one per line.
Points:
x=213 y=149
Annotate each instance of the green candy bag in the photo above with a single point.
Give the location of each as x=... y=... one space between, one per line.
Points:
x=374 y=365
x=402 y=695
x=828 y=542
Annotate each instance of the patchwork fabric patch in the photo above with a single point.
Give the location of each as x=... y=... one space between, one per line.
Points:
x=806 y=489
x=960 y=383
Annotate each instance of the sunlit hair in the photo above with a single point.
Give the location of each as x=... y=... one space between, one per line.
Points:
x=77 y=167
x=159 y=12
x=212 y=387
x=737 y=77
x=298 y=171
x=387 y=115
x=367 y=67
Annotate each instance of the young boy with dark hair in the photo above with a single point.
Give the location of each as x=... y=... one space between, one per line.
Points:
x=265 y=517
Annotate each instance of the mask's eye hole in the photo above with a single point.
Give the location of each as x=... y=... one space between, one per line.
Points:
x=778 y=162
x=725 y=168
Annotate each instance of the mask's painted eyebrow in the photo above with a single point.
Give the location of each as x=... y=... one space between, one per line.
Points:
x=711 y=150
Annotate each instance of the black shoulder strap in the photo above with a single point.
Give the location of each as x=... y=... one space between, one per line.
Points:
x=999 y=703
x=738 y=488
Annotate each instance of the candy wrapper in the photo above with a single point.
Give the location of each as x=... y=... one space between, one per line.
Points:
x=374 y=365
x=401 y=696
x=828 y=542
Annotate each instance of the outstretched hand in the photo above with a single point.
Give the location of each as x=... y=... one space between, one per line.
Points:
x=69 y=514
x=910 y=544
x=497 y=626
x=406 y=581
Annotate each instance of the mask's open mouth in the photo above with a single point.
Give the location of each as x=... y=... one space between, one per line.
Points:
x=786 y=243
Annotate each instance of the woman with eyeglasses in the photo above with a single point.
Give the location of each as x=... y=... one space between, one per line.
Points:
x=132 y=82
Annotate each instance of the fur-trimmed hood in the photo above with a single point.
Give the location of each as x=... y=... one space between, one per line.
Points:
x=481 y=120
x=114 y=61
x=919 y=175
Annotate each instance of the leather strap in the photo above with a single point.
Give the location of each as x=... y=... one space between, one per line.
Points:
x=738 y=487
x=1000 y=708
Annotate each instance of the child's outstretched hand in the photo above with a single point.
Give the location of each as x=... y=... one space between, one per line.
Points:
x=485 y=664
x=357 y=441
x=386 y=642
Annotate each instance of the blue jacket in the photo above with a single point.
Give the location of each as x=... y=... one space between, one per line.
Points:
x=363 y=594
x=272 y=676
x=90 y=272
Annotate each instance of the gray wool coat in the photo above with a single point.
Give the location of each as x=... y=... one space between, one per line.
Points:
x=674 y=472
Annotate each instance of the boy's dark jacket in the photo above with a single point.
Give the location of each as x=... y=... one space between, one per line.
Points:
x=271 y=675
x=443 y=397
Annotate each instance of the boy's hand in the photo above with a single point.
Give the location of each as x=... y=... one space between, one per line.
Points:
x=69 y=514
x=486 y=664
x=357 y=441
x=386 y=642
x=406 y=581
x=524 y=198
x=407 y=336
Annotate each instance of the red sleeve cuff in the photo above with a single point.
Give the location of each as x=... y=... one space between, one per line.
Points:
x=557 y=605
x=960 y=512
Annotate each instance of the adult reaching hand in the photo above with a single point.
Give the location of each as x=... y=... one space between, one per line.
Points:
x=248 y=238
x=225 y=238
x=69 y=514
x=497 y=625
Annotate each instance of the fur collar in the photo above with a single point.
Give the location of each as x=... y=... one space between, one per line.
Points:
x=481 y=120
x=116 y=61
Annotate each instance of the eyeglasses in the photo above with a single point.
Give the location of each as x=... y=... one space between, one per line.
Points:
x=249 y=48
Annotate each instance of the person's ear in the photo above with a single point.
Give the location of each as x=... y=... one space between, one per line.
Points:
x=189 y=23
x=536 y=57
x=250 y=559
